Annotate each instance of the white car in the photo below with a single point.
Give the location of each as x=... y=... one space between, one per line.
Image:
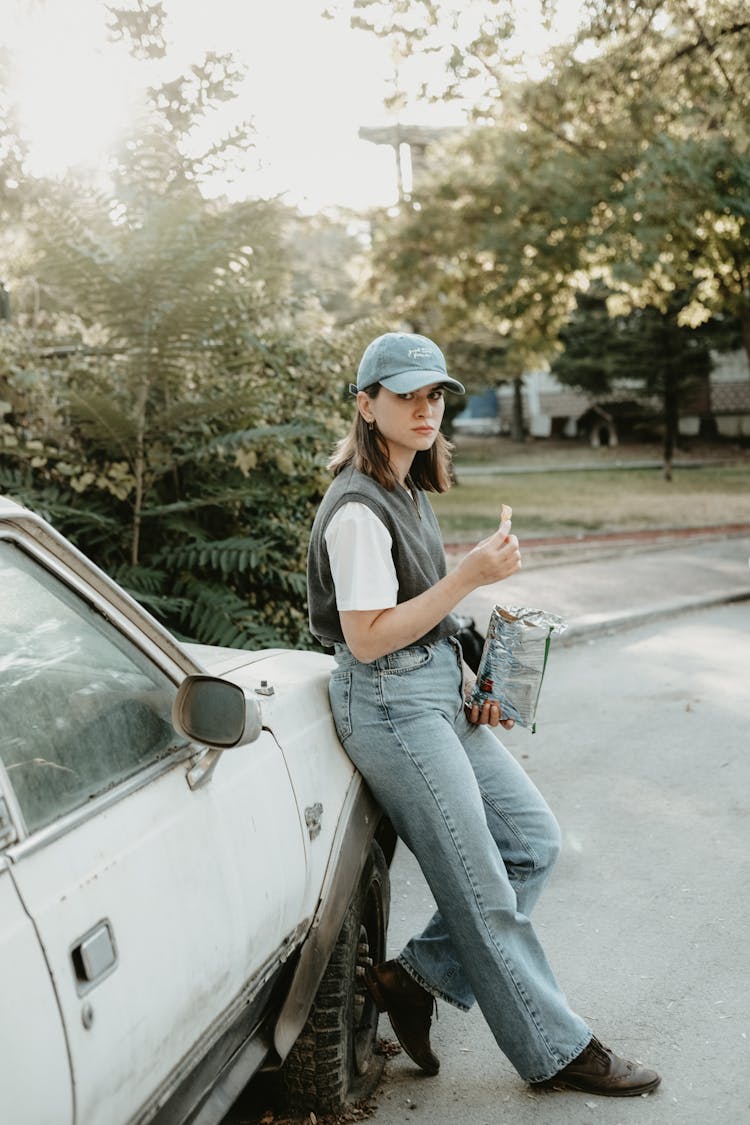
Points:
x=192 y=873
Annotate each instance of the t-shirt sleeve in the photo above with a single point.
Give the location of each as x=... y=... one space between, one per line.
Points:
x=359 y=551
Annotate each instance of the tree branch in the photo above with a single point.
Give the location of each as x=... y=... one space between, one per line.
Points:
x=704 y=39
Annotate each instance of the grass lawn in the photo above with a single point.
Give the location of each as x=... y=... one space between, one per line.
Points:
x=584 y=490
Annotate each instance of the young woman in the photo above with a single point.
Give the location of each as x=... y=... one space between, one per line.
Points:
x=380 y=596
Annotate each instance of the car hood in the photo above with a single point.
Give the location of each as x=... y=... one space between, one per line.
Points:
x=221 y=661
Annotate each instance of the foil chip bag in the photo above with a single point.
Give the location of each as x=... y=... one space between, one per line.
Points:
x=514 y=659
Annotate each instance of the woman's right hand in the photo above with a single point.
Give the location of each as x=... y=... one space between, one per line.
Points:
x=493 y=559
x=371 y=633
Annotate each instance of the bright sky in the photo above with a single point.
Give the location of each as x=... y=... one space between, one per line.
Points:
x=311 y=84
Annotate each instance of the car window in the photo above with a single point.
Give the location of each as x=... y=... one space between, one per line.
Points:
x=82 y=708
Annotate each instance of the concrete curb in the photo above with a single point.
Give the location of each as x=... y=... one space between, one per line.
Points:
x=609 y=592
x=643 y=539
x=580 y=632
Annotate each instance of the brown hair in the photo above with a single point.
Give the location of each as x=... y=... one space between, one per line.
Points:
x=365 y=448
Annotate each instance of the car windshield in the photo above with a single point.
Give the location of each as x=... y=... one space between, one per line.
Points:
x=82 y=707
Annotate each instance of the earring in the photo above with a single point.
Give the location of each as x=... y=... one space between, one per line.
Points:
x=370 y=423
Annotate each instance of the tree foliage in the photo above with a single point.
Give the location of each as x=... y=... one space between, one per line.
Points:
x=169 y=394
x=660 y=90
x=12 y=157
x=626 y=163
x=493 y=243
x=172 y=403
x=469 y=47
x=646 y=352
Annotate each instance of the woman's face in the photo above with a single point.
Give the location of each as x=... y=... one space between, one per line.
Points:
x=409 y=422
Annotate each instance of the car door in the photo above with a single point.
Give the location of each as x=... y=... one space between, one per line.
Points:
x=34 y=1071
x=158 y=908
x=323 y=776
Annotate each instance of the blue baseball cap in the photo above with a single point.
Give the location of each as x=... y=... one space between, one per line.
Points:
x=403 y=362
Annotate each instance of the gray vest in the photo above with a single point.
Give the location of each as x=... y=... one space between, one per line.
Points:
x=417 y=550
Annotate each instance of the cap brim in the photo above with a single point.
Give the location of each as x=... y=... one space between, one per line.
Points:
x=406 y=381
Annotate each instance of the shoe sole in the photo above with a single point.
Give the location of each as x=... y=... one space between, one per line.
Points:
x=583 y=1088
x=429 y=1071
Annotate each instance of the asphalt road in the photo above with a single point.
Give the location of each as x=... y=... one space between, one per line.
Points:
x=642 y=752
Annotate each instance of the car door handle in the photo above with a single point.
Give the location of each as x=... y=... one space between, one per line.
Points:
x=94 y=955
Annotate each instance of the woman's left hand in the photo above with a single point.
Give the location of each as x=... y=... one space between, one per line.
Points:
x=488 y=714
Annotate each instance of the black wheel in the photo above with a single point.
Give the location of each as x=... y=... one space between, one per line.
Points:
x=334 y=1060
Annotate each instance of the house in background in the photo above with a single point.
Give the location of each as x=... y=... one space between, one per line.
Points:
x=551 y=410
x=729 y=389
x=482 y=415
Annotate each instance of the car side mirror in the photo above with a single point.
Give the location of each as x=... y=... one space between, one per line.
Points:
x=216 y=712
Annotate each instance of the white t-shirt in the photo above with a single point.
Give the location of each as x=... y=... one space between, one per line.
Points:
x=359 y=551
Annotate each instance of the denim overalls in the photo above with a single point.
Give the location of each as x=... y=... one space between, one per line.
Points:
x=482 y=835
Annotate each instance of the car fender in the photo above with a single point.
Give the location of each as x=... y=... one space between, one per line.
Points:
x=361 y=821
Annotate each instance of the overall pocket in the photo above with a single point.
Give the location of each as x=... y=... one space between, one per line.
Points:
x=340 y=696
x=404 y=660
x=421 y=679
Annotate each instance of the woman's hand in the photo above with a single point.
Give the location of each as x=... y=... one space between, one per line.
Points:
x=493 y=559
x=371 y=633
x=489 y=714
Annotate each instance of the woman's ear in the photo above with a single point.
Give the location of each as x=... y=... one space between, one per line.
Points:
x=363 y=405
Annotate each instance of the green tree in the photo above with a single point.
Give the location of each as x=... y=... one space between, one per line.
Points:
x=468 y=48
x=12 y=155
x=489 y=253
x=192 y=397
x=627 y=163
x=170 y=397
x=659 y=90
x=329 y=256
x=686 y=211
x=646 y=350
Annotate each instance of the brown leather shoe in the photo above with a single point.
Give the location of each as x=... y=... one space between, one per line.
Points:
x=597 y=1070
x=409 y=1009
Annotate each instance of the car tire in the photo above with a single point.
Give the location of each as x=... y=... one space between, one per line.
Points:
x=335 y=1059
